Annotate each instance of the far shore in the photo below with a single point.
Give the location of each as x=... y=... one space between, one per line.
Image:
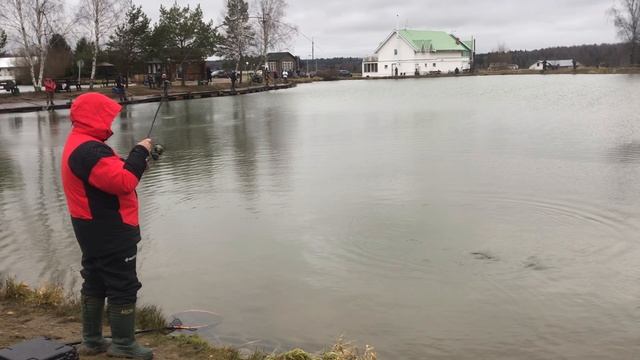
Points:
x=138 y=93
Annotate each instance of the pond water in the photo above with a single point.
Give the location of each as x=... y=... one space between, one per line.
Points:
x=454 y=218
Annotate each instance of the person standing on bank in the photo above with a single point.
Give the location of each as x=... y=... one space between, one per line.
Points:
x=101 y=197
x=50 y=89
x=120 y=89
x=234 y=77
x=165 y=86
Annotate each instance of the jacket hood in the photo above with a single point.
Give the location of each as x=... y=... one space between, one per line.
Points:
x=93 y=113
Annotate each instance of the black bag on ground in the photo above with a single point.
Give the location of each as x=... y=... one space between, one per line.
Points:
x=39 y=349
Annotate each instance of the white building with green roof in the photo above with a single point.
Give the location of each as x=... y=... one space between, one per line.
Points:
x=418 y=52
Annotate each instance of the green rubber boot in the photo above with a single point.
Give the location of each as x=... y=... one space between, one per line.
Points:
x=92 y=341
x=123 y=339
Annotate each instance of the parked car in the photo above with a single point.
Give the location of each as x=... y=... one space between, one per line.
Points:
x=344 y=73
x=10 y=86
x=220 y=74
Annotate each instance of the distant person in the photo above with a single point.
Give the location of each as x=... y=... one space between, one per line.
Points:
x=544 y=65
x=266 y=76
x=120 y=89
x=285 y=75
x=233 y=76
x=50 y=89
x=396 y=72
x=165 y=85
x=575 y=64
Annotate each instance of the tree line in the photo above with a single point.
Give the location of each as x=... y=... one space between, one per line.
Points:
x=121 y=33
x=587 y=55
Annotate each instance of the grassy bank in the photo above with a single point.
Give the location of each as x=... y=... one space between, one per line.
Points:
x=49 y=311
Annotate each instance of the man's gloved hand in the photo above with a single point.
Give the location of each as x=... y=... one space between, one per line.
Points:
x=147 y=143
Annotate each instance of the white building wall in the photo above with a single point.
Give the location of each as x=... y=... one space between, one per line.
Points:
x=6 y=74
x=8 y=68
x=407 y=60
x=536 y=66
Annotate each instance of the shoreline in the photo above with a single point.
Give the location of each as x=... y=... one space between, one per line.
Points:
x=139 y=94
x=34 y=102
x=49 y=311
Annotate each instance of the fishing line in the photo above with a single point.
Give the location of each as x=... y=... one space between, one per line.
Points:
x=154 y=118
x=197 y=319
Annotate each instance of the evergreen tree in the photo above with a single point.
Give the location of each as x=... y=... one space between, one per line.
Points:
x=84 y=52
x=60 y=58
x=184 y=36
x=127 y=45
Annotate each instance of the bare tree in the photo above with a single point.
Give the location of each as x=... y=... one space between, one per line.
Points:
x=271 y=29
x=101 y=17
x=626 y=17
x=31 y=24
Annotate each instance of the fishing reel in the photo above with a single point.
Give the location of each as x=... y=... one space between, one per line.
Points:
x=157 y=151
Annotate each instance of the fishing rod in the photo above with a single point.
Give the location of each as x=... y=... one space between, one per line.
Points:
x=154 y=118
x=174 y=326
x=157 y=149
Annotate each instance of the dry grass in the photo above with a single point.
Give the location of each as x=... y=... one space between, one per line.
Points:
x=150 y=317
x=295 y=354
x=45 y=296
x=344 y=350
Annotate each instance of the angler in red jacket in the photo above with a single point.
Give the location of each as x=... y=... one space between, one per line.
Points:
x=100 y=190
x=50 y=89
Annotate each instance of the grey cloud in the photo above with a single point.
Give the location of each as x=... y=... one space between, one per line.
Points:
x=354 y=28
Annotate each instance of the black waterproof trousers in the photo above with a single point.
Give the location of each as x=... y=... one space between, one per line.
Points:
x=112 y=276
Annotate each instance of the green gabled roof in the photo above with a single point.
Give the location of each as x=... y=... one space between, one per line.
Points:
x=424 y=45
x=437 y=40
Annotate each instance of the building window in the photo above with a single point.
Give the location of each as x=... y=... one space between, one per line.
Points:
x=386 y=66
x=371 y=68
x=395 y=51
x=287 y=65
x=273 y=66
x=434 y=64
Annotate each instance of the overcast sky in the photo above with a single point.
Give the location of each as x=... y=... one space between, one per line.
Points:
x=356 y=27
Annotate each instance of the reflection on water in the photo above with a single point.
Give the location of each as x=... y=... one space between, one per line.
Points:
x=489 y=217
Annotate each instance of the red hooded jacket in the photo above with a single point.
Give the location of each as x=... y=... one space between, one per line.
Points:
x=50 y=85
x=99 y=185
